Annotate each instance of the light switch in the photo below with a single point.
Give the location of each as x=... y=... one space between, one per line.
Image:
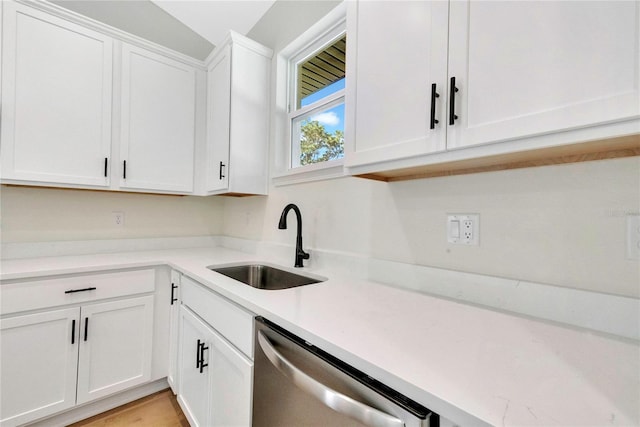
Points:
x=454 y=229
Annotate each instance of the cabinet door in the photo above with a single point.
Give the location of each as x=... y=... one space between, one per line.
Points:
x=396 y=51
x=174 y=318
x=158 y=122
x=115 y=346
x=528 y=68
x=38 y=360
x=195 y=384
x=56 y=103
x=232 y=378
x=218 y=120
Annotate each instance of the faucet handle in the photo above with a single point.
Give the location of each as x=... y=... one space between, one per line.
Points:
x=300 y=255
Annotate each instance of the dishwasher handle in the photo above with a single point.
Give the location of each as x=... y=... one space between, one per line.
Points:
x=329 y=397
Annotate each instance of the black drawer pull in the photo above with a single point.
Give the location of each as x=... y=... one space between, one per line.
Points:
x=105 y=167
x=452 y=102
x=434 y=95
x=73 y=331
x=73 y=291
x=124 y=169
x=222 y=165
x=86 y=327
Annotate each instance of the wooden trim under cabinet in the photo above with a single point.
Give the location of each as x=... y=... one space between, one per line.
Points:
x=625 y=146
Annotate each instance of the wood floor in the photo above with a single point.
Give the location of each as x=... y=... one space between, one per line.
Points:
x=157 y=410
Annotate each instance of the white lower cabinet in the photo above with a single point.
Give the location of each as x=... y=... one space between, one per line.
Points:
x=52 y=359
x=215 y=377
x=232 y=377
x=195 y=382
x=174 y=324
x=39 y=358
x=115 y=347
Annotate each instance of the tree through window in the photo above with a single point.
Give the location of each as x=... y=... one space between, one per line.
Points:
x=317 y=121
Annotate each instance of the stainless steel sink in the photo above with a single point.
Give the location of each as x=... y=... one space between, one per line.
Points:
x=263 y=276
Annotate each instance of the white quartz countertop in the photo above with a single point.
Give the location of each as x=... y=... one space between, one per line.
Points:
x=472 y=365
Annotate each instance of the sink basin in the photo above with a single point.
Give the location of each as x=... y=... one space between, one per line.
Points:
x=263 y=276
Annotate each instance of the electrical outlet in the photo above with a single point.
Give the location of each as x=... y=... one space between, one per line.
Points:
x=633 y=236
x=463 y=229
x=118 y=219
x=467 y=230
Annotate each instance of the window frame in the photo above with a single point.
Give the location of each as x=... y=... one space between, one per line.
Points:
x=326 y=31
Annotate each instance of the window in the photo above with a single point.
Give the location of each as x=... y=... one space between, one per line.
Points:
x=310 y=108
x=316 y=104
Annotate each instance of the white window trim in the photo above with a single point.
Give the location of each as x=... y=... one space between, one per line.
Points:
x=330 y=27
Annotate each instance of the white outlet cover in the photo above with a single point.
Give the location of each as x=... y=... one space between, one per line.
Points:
x=633 y=236
x=118 y=219
x=463 y=229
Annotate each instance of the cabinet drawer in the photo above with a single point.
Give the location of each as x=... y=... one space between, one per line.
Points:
x=37 y=294
x=230 y=320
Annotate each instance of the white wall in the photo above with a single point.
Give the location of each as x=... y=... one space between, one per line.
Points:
x=43 y=214
x=562 y=225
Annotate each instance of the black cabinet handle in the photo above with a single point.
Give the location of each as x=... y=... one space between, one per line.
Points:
x=202 y=364
x=73 y=331
x=173 y=287
x=198 y=355
x=222 y=165
x=73 y=291
x=452 y=102
x=434 y=95
x=105 y=167
x=86 y=327
x=124 y=169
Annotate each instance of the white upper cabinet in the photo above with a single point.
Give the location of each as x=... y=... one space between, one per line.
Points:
x=512 y=77
x=80 y=105
x=238 y=117
x=528 y=68
x=219 y=99
x=56 y=103
x=157 y=122
x=397 y=55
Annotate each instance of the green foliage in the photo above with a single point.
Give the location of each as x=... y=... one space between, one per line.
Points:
x=317 y=145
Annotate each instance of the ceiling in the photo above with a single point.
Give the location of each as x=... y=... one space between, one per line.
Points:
x=322 y=69
x=214 y=18
x=187 y=26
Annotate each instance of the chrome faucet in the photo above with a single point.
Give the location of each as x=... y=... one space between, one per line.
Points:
x=282 y=225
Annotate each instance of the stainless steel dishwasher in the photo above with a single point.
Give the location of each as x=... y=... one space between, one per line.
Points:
x=297 y=384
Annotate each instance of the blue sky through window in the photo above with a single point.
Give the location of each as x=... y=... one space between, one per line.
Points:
x=332 y=119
